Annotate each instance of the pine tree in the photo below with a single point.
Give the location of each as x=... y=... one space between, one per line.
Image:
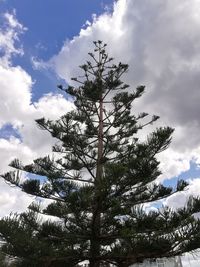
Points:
x=101 y=175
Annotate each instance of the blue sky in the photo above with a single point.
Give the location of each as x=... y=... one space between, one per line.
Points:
x=49 y=24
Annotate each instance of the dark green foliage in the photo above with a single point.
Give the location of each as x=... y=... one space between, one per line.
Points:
x=31 y=186
x=102 y=176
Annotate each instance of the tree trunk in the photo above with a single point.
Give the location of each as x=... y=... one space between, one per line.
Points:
x=96 y=222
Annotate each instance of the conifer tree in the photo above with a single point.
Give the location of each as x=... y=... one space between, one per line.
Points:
x=99 y=179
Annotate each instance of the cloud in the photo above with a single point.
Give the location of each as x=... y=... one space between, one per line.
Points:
x=160 y=41
x=16 y=106
x=190 y=260
x=9 y=37
x=107 y=27
x=179 y=200
x=51 y=107
x=18 y=111
x=15 y=98
x=12 y=200
x=172 y=163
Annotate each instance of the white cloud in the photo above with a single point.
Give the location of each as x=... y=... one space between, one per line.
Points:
x=51 y=107
x=11 y=149
x=191 y=260
x=107 y=27
x=160 y=41
x=17 y=109
x=9 y=36
x=12 y=200
x=179 y=200
x=15 y=100
x=172 y=163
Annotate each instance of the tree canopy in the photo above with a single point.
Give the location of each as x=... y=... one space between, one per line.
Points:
x=99 y=179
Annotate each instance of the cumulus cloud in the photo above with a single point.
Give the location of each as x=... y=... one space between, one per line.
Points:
x=12 y=200
x=191 y=260
x=180 y=199
x=51 y=107
x=9 y=37
x=16 y=106
x=160 y=41
x=108 y=27
x=18 y=110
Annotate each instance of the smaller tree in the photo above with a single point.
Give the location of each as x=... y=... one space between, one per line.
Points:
x=99 y=183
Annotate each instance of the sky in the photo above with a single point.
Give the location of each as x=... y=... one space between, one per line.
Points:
x=42 y=43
